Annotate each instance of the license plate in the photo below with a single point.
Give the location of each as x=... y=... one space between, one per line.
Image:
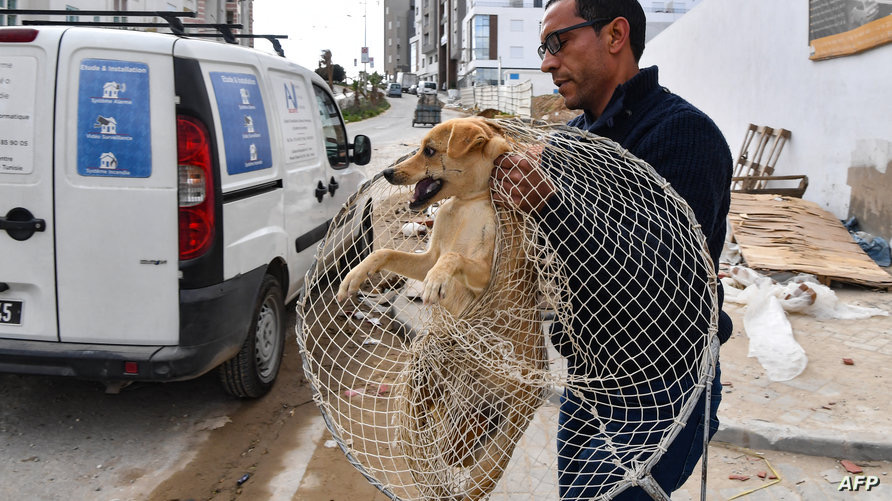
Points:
x=11 y=312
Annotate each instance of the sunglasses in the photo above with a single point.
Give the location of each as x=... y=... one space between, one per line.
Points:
x=553 y=41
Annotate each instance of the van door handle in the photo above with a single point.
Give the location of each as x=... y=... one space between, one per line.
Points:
x=21 y=224
x=333 y=186
x=320 y=191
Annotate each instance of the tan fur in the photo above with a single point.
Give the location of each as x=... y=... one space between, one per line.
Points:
x=457 y=265
x=456 y=269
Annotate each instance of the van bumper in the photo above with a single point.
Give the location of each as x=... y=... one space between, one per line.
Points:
x=213 y=325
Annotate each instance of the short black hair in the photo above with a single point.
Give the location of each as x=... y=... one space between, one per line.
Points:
x=629 y=9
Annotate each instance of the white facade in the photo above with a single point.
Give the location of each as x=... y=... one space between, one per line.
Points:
x=423 y=65
x=662 y=13
x=517 y=38
x=837 y=110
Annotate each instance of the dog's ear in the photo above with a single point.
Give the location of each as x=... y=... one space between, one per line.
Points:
x=466 y=135
x=496 y=146
x=470 y=134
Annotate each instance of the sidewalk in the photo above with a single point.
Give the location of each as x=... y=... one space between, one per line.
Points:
x=831 y=408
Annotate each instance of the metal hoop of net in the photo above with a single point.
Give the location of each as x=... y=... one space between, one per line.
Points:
x=608 y=299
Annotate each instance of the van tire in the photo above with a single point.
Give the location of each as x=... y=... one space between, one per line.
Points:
x=362 y=245
x=252 y=372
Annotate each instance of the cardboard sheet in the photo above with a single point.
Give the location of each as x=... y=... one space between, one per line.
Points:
x=780 y=233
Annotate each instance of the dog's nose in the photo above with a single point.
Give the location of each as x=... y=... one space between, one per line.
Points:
x=388 y=175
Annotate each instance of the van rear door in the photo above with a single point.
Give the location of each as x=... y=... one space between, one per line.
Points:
x=27 y=225
x=116 y=189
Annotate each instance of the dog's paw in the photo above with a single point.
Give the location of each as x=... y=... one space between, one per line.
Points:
x=351 y=283
x=435 y=287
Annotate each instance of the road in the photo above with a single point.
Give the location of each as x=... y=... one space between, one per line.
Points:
x=62 y=439
x=392 y=133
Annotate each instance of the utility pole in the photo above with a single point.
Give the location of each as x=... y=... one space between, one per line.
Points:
x=365 y=31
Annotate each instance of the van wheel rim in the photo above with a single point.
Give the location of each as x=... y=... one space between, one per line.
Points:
x=266 y=340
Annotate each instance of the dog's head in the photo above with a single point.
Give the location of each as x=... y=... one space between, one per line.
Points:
x=455 y=159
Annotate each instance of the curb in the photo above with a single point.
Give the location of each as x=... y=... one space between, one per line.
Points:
x=857 y=446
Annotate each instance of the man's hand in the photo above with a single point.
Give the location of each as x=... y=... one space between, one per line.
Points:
x=518 y=182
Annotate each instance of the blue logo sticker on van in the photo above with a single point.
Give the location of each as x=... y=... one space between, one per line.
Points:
x=113 y=119
x=243 y=122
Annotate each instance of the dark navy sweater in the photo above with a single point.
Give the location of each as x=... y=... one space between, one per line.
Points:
x=686 y=148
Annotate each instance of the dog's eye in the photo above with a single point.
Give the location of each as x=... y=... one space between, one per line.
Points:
x=429 y=152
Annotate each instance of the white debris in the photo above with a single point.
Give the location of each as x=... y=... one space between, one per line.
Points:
x=414 y=230
x=765 y=321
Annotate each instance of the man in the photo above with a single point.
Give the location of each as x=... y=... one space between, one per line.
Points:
x=592 y=49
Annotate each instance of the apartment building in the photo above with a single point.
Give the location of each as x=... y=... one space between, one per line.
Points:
x=207 y=12
x=460 y=43
x=399 y=27
x=661 y=14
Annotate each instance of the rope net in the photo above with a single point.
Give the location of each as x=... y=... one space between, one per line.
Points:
x=585 y=353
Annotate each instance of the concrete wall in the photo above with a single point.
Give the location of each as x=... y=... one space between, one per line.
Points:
x=747 y=62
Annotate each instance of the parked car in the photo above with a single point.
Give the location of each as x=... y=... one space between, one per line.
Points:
x=394 y=89
x=161 y=199
x=428 y=87
x=413 y=89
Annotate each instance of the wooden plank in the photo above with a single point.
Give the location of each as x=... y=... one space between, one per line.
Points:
x=780 y=233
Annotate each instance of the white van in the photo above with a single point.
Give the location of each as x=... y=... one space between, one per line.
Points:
x=161 y=199
x=427 y=88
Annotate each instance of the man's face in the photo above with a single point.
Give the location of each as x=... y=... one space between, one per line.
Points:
x=580 y=69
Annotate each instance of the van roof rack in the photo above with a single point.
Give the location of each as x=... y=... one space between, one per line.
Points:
x=172 y=22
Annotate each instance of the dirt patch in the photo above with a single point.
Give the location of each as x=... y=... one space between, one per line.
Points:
x=253 y=443
x=551 y=108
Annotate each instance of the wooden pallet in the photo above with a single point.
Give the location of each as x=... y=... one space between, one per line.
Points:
x=754 y=169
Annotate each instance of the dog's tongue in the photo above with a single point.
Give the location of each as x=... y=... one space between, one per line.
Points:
x=424 y=187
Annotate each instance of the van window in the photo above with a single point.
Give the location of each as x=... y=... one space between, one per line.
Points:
x=332 y=128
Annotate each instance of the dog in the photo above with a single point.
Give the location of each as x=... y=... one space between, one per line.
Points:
x=455 y=160
x=458 y=409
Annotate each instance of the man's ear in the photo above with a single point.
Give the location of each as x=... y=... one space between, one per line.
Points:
x=618 y=30
x=465 y=137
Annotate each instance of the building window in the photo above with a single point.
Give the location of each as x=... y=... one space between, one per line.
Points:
x=485 y=76
x=517 y=25
x=516 y=52
x=480 y=37
x=10 y=19
x=120 y=5
x=71 y=19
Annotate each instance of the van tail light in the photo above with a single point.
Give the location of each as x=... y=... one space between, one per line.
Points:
x=195 y=188
x=18 y=35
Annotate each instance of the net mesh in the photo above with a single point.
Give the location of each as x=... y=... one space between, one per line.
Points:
x=585 y=353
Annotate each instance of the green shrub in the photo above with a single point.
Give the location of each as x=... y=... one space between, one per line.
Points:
x=365 y=110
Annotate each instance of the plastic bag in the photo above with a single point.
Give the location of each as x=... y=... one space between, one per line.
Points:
x=765 y=321
x=771 y=338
